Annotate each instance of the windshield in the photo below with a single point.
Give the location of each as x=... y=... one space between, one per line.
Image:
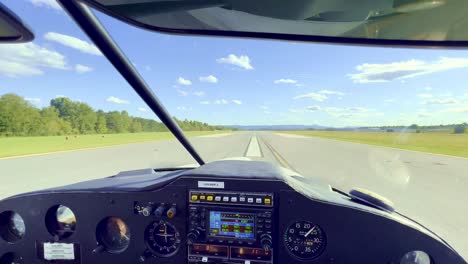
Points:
x=389 y=120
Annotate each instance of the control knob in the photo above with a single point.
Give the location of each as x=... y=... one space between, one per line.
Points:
x=192 y=236
x=171 y=212
x=266 y=242
x=160 y=210
x=147 y=210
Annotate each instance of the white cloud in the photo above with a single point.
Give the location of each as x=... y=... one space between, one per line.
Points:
x=74 y=43
x=299 y=85
x=425 y=95
x=183 y=108
x=354 y=113
x=462 y=109
x=289 y=81
x=264 y=107
x=389 y=101
x=47 y=3
x=424 y=114
x=342 y=115
x=428 y=88
x=331 y=92
x=142 y=109
x=242 y=61
x=29 y=59
x=313 y=96
x=183 y=81
x=447 y=101
x=338 y=109
x=221 y=101
x=314 y=108
x=296 y=111
x=116 y=100
x=33 y=100
x=350 y=115
x=199 y=93
x=357 y=109
x=208 y=79
x=404 y=69
x=449 y=94
x=182 y=93
x=79 y=68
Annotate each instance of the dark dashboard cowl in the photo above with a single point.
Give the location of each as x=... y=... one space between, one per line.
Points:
x=238 y=169
x=350 y=232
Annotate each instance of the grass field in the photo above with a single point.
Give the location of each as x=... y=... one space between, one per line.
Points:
x=16 y=146
x=440 y=142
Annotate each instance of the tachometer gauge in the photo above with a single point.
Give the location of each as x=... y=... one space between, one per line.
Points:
x=305 y=240
x=114 y=234
x=162 y=238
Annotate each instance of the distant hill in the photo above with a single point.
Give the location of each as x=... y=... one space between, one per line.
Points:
x=277 y=127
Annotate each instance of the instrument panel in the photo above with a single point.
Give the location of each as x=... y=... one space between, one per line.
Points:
x=230 y=227
x=203 y=216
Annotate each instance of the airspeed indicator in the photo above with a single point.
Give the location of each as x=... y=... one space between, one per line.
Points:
x=305 y=240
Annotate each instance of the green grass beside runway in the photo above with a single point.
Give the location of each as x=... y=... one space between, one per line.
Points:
x=17 y=146
x=440 y=142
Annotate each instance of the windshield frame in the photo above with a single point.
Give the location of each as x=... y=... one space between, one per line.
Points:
x=92 y=27
x=348 y=41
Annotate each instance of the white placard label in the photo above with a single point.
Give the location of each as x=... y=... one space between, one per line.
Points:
x=210 y=184
x=58 y=251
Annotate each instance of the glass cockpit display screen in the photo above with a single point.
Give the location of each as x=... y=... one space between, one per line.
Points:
x=232 y=225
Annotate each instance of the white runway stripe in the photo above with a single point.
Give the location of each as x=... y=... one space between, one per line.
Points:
x=253 y=150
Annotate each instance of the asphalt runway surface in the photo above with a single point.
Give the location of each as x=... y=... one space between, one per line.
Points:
x=430 y=188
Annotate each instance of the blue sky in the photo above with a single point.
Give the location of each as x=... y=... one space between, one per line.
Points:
x=236 y=81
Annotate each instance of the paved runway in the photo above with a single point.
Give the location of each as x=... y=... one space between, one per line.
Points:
x=429 y=188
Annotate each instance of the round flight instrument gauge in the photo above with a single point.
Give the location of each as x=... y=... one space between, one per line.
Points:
x=61 y=221
x=305 y=240
x=162 y=238
x=12 y=227
x=113 y=234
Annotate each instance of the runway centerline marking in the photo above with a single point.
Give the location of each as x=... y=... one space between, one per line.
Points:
x=253 y=150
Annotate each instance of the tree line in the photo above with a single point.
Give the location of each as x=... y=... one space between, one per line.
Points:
x=456 y=128
x=18 y=117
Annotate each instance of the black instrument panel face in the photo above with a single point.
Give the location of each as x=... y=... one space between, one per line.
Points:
x=107 y=228
x=247 y=221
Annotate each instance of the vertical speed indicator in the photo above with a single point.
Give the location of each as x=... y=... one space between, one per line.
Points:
x=305 y=240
